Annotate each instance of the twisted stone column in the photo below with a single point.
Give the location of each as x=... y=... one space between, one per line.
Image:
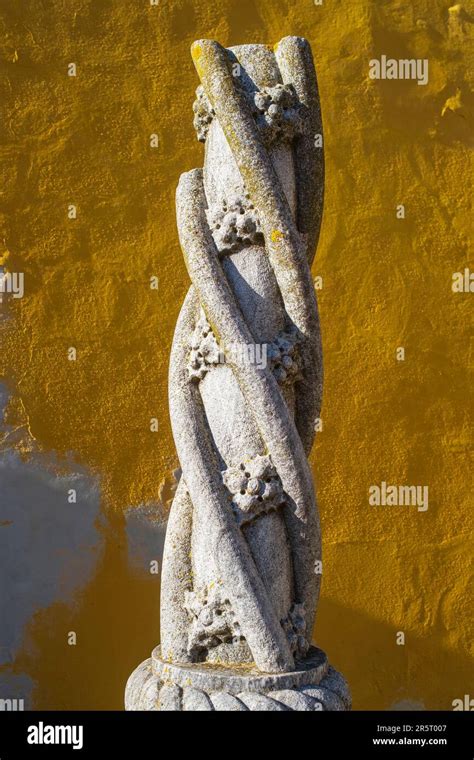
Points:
x=241 y=567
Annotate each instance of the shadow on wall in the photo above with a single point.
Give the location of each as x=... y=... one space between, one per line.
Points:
x=116 y=621
x=416 y=675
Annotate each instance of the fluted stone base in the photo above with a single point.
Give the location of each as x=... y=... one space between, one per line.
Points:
x=159 y=685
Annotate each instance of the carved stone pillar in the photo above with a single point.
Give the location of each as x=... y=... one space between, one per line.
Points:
x=242 y=560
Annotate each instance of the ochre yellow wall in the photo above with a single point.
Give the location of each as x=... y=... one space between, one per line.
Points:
x=387 y=283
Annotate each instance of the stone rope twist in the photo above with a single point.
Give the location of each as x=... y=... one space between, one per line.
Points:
x=331 y=694
x=287 y=440
x=242 y=559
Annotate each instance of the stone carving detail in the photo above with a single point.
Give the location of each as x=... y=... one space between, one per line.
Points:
x=284 y=358
x=234 y=224
x=278 y=113
x=205 y=351
x=281 y=354
x=212 y=620
x=239 y=586
x=294 y=626
x=203 y=114
x=255 y=487
x=318 y=688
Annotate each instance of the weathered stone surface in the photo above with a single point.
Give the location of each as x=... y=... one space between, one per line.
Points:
x=335 y=682
x=224 y=702
x=241 y=569
x=328 y=698
x=261 y=702
x=170 y=698
x=294 y=700
x=195 y=700
x=211 y=677
x=209 y=687
x=141 y=692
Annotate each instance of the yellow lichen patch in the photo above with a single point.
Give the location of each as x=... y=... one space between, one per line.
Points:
x=197 y=56
x=196 y=51
x=202 y=54
x=276 y=236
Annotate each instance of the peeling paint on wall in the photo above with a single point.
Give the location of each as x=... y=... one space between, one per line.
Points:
x=49 y=548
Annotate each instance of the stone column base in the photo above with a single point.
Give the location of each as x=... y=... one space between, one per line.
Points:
x=159 y=685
